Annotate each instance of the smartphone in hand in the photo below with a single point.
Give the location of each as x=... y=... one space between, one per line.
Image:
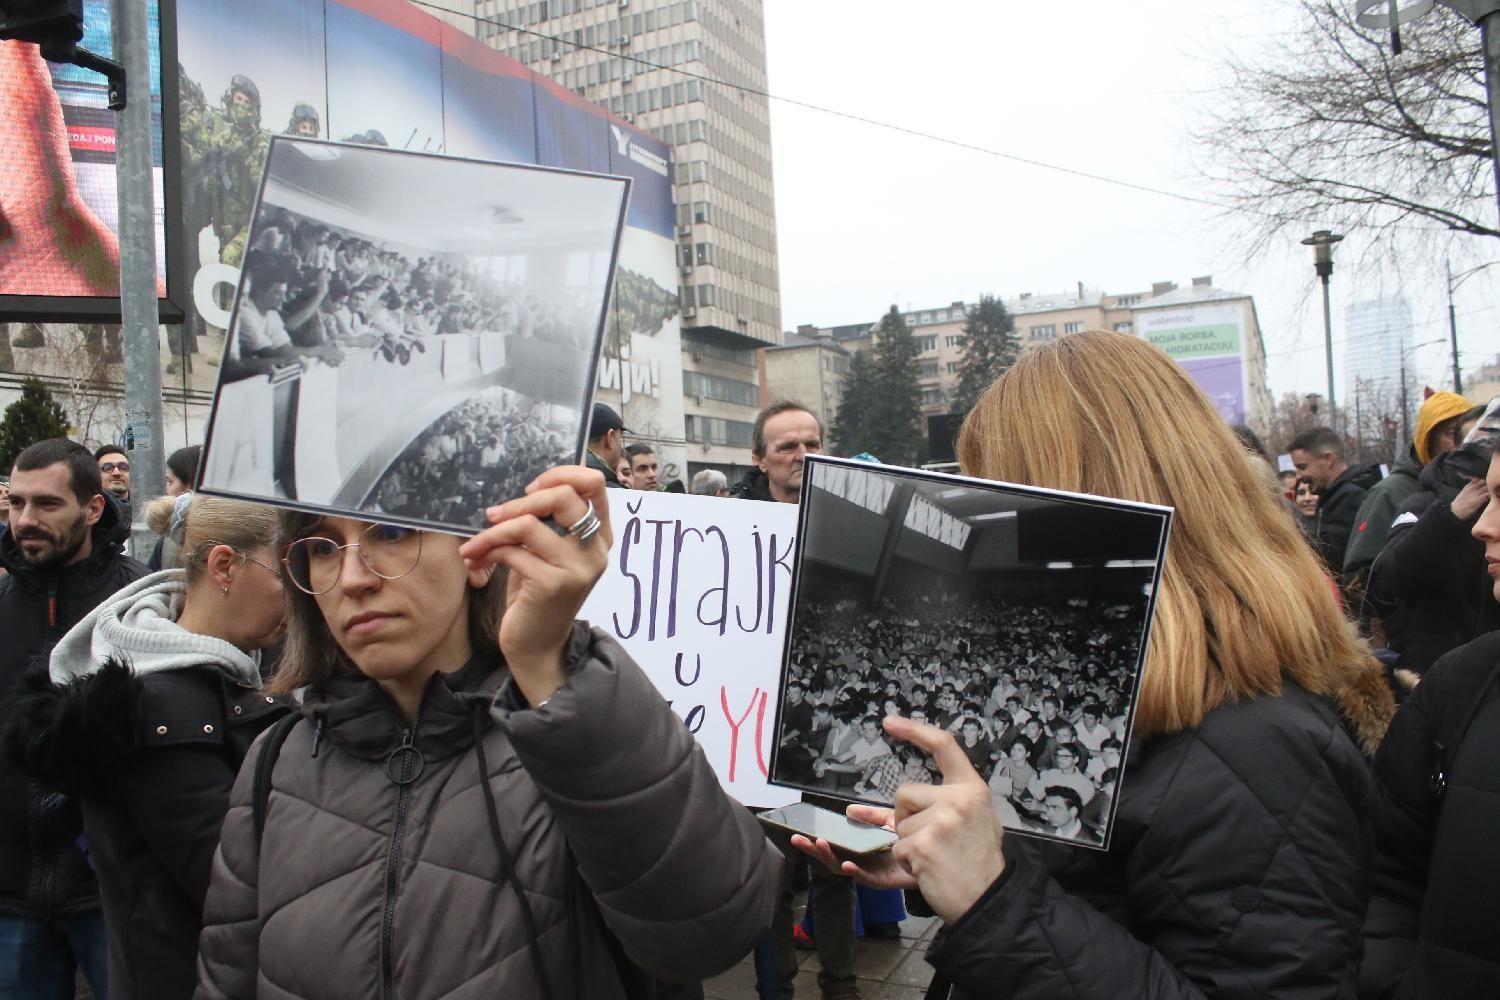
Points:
x=846 y=835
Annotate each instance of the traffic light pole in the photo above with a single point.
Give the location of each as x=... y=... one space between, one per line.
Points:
x=138 y=279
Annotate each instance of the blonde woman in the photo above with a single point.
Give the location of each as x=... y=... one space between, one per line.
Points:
x=1240 y=861
x=152 y=703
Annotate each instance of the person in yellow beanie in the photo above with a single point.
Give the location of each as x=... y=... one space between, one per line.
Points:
x=1436 y=434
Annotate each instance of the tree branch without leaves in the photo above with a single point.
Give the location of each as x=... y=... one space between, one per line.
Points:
x=1330 y=127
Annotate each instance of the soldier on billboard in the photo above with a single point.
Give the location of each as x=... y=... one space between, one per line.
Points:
x=304 y=121
x=224 y=151
x=372 y=137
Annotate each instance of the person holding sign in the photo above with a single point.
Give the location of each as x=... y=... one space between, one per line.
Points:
x=480 y=794
x=1239 y=861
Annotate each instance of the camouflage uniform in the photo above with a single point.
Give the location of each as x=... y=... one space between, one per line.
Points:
x=225 y=152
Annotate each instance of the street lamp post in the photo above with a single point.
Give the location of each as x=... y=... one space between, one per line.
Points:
x=1322 y=242
x=1485 y=14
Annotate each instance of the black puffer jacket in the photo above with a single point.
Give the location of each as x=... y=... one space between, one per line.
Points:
x=1433 y=931
x=43 y=874
x=152 y=760
x=1429 y=583
x=1239 y=868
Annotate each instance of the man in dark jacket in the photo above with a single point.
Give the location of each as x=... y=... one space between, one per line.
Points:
x=1429 y=585
x=605 y=444
x=1436 y=434
x=784 y=434
x=64 y=553
x=1318 y=456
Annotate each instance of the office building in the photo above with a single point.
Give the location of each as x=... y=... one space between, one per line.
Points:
x=1213 y=333
x=652 y=62
x=1377 y=352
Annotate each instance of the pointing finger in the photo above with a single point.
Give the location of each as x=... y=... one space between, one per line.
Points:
x=952 y=761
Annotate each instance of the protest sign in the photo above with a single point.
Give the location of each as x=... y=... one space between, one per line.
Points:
x=696 y=590
x=1015 y=618
x=428 y=328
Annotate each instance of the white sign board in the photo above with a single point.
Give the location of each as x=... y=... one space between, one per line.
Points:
x=697 y=591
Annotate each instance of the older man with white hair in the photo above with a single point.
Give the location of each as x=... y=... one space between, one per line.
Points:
x=710 y=483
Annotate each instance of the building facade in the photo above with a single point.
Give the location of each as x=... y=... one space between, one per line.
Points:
x=1213 y=333
x=652 y=63
x=809 y=369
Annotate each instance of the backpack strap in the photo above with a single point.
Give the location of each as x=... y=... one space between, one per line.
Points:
x=265 y=763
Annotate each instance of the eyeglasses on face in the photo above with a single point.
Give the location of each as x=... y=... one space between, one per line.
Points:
x=315 y=564
x=112 y=466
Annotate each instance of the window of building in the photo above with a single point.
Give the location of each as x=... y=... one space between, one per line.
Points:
x=725 y=390
x=932 y=397
x=1072 y=328
x=1126 y=327
x=1044 y=332
x=703 y=253
x=925 y=344
x=718 y=430
x=1127 y=300
x=707 y=348
x=951 y=367
x=954 y=340
x=927 y=369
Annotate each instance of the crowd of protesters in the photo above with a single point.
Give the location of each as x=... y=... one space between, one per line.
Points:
x=1034 y=691
x=503 y=804
x=455 y=468
x=314 y=290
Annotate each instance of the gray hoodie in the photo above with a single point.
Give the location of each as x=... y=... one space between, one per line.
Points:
x=138 y=626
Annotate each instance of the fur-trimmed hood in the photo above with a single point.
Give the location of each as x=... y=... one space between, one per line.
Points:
x=138 y=627
x=1366 y=705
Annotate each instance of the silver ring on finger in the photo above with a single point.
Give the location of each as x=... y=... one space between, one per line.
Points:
x=586 y=527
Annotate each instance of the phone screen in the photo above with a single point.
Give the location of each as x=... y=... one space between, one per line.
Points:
x=840 y=831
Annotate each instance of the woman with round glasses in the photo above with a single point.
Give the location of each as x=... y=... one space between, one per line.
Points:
x=481 y=796
x=152 y=704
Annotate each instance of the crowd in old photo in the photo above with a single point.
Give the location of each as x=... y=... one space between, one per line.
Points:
x=1037 y=695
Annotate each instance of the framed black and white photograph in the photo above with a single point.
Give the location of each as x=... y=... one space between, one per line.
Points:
x=414 y=337
x=1015 y=618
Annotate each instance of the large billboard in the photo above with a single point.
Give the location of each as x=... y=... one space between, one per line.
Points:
x=384 y=72
x=59 y=217
x=1208 y=341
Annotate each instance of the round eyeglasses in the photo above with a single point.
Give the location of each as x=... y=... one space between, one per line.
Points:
x=315 y=564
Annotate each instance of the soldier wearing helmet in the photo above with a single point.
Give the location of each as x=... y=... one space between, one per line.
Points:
x=242 y=103
x=304 y=121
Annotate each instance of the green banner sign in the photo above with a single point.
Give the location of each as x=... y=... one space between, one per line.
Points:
x=1200 y=341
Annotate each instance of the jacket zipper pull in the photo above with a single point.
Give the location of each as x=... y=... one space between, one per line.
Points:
x=404 y=764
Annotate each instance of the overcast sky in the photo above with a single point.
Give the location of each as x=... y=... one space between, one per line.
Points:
x=867 y=216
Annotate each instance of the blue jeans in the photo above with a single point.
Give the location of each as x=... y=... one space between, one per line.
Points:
x=41 y=961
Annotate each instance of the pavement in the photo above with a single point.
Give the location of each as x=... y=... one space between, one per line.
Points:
x=894 y=969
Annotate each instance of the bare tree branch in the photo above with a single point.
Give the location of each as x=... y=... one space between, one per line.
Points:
x=1330 y=127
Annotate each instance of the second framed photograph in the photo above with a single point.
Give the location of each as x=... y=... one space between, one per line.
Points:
x=415 y=337
x=1015 y=618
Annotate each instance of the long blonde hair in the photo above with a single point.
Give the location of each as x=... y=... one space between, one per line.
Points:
x=1243 y=601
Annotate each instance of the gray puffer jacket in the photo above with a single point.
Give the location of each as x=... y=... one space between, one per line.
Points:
x=378 y=873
